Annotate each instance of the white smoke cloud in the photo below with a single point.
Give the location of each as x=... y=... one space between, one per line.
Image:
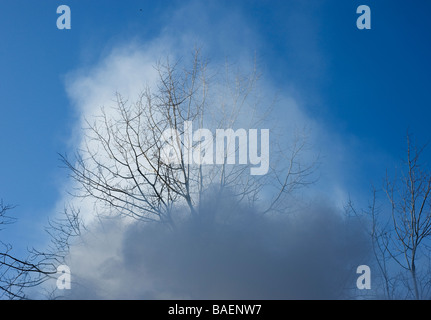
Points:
x=235 y=253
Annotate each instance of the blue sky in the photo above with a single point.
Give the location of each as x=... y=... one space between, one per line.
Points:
x=367 y=86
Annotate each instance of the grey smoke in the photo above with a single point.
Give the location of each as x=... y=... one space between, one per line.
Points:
x=228 y=252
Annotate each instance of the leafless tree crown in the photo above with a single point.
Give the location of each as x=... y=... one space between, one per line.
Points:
x=121 y=164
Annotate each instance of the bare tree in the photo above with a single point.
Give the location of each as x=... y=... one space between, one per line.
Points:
x=17 y=274
x=410 y=201
x=400 y=231
x=129 y=164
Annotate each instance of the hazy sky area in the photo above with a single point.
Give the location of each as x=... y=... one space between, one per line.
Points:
x=356 y=93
